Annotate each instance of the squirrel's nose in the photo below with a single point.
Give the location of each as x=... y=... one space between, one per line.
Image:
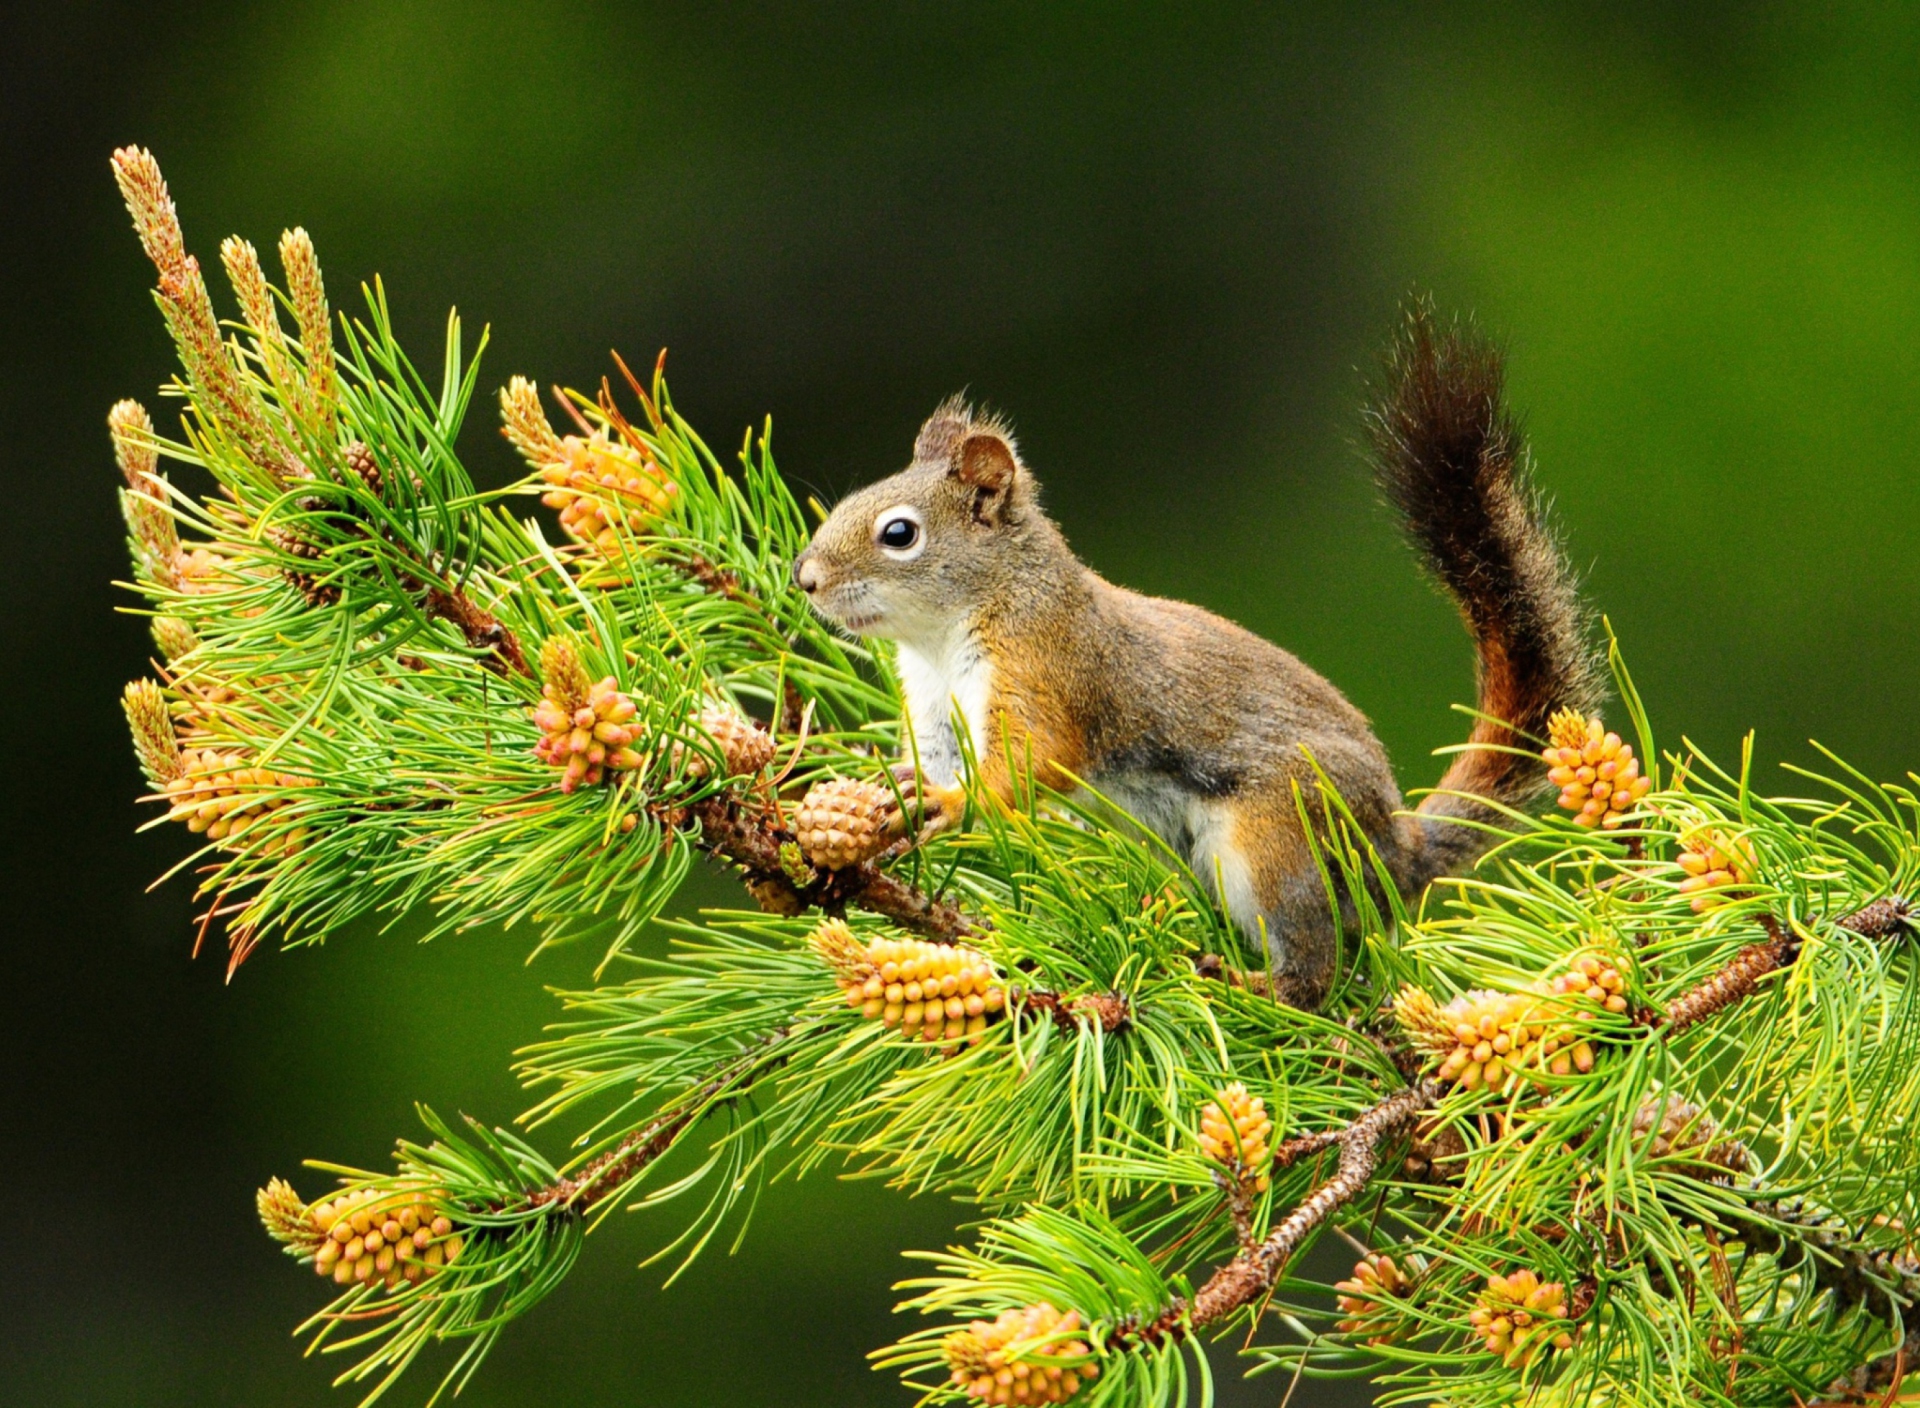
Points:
x=806 y=572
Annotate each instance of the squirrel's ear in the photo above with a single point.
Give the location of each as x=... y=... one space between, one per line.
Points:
x=942 y=431
x=984 y=462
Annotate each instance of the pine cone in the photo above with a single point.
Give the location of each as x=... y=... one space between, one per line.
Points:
x=1678 y=1127
x=1714 y=861
x=1234 y=1128
x=363 y=466
x=744 y=745
x=936 y=992
x=1598 y=776
x=989 y=1360
x=316 y=591
x=1359 y=1298
x=1519 y=1316
x=364 y=1235
x=843 y=821
x=217 y=794
x=586 y=729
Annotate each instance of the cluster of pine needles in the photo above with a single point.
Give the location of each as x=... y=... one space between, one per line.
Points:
x=1627 y=1115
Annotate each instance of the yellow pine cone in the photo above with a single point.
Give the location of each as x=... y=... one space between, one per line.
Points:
x=1714 y=861
x=1234 y=1128
x=600 y=487
x=1519 y=1316
x=1376 y=1276
x=218 y=794
x=935 y=992
x=585 y=729
x=1598 y=776
x=989 y=1362
x=744 y=745
x=843 y=821
x=364 y=1235
x=1490 y=1037
x=1594 y=978
x=603 y=490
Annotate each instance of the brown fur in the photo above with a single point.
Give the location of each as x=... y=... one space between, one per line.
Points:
x=1199 y=728
x=1451 y=459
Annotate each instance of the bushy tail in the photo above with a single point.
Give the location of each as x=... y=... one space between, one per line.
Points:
x=1451 y=459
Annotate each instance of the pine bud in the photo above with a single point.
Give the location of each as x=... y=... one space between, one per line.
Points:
x=601 y=487
x=1715 y=861
x=844 y=821
x=173 y=637
x=217 y=794
x=153 y=737
x=1234 y=1128
x=933 y=992
x=365 y=1235
x=1012 y=1358
x=307 y=291
x=1376 y=1277
x=1520 y=1316
x=524 y=422
x=744 y=746
x=1598 y=776
x=287 y=1218
x=142 y=503
x=586 y=729
x=1595 y=979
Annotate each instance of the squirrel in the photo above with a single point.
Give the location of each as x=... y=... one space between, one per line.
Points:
x=1197 y=728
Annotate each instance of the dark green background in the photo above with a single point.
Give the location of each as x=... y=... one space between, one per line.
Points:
x=1167 y=239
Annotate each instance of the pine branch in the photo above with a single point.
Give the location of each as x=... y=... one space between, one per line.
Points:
x=753 y=840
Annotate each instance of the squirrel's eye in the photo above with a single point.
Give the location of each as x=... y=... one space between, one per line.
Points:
x=898 y=534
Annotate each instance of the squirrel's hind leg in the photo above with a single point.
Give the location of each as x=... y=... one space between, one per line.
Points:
x=1252 y=856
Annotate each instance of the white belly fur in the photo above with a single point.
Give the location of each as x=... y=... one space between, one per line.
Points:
x=953 y=678
x=1200 y=830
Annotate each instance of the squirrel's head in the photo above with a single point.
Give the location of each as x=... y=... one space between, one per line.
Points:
x=909 y=557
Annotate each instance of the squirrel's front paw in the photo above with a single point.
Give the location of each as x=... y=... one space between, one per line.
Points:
x=934 y=805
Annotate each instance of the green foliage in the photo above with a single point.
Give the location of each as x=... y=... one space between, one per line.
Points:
x=1723 y=1201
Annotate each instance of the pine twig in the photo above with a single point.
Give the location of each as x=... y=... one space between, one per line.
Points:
x=627 y=1159
x=1110 y=1009
x=1251 y=1274
x=1742 y=974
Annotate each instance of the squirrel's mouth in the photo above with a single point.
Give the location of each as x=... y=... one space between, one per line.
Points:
x=856 y=617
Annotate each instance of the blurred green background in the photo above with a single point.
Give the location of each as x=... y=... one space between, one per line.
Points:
x=1167 y=239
